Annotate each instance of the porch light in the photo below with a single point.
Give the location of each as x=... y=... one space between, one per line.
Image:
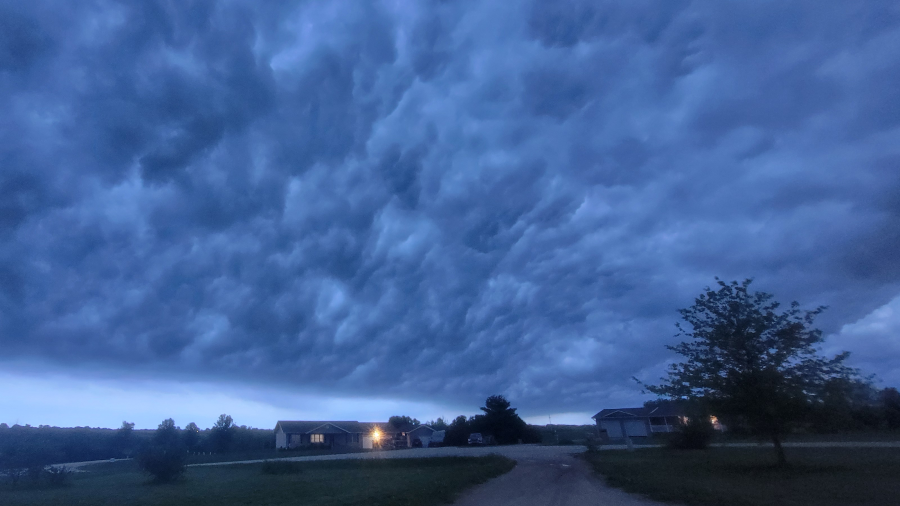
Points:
x=376 y=435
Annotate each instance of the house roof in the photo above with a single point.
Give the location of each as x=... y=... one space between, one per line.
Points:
x=422 y=428
x=656 y=411
x=666 y=410
x=620 y=413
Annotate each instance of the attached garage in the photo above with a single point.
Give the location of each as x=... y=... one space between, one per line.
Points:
x=613 y=428
x=635 y=428
x=619 y=423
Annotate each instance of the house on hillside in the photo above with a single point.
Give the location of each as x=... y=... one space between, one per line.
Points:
x=642 y=422
x=294 y=434
x=638 y=422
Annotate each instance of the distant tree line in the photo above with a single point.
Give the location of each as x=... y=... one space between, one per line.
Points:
x=846 y=405
x=24 y=446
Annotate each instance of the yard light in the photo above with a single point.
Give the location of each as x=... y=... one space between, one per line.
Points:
x=376 y=435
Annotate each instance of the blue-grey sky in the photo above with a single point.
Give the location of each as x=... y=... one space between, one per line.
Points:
x=350 y=209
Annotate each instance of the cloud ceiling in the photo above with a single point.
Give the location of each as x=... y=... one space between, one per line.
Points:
x=450 y=199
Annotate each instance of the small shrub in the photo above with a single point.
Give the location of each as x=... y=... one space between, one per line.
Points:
x=592 y=443
x=57 y=476
x=281 y=467
x=34 y=473
x=693 y=435
x=14 y=474
x=166 y=464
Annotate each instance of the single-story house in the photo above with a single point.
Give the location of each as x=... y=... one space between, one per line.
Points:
x=292 y=434
x=638 y=422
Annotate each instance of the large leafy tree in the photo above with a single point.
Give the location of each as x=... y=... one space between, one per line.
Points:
x=191 y=436
x=222 y=434
x=163 y=456
x=399 y=421
x=458 y=431
x=125 y=440
x=746 y=358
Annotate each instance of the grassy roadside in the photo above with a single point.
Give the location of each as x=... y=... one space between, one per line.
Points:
x=329 y=483
x=269 y=454
x=747 y=476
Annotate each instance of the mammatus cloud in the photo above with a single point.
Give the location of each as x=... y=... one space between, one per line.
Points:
x=446 y=199
x=875 y=341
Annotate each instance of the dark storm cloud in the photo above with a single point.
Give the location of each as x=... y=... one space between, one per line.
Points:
x=440 y=199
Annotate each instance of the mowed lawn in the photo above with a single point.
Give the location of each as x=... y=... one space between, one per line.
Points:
x=338 y=482
x=268 y=454
x=747 y=476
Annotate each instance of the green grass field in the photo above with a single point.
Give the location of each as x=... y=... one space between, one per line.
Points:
x=338 y=482
x=747 y=476
x=564 y=433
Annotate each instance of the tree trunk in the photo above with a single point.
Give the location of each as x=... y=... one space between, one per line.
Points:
x=776 y=440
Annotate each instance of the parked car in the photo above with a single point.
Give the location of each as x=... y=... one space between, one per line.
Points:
x=475 y=438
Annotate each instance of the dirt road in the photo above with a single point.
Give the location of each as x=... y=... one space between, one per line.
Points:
x=549 y=480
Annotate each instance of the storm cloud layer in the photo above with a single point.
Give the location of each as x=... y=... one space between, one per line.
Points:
x=442 y=199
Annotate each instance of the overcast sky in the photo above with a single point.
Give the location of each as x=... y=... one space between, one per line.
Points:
x=357 y=209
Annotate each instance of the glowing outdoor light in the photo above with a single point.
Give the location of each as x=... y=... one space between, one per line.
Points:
x=376 y=435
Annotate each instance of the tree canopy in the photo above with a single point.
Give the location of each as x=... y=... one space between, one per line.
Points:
x=746 y=358
x=401 y=421
x=500 y=420
x=163 y=456
x=222 y=433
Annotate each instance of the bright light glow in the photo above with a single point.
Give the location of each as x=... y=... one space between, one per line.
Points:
x=376 y=435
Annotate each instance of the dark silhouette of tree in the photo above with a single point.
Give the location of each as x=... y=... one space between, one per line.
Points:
x=501 y=421
x=457 y=432
x=125 y=440
x=222 y=433
x=438 y=424
x=846 y=404
x=163 y=456
x=403 y=421
x=191 y=436
x=890 y=405
x=744 y=358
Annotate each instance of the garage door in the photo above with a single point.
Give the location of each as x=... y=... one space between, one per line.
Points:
x=613 y=428
x=636 y=428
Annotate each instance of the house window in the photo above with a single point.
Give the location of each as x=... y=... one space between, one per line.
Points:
x=317 y=438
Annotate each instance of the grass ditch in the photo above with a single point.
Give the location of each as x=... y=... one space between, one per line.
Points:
x=388 y=482
x=749 y=476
